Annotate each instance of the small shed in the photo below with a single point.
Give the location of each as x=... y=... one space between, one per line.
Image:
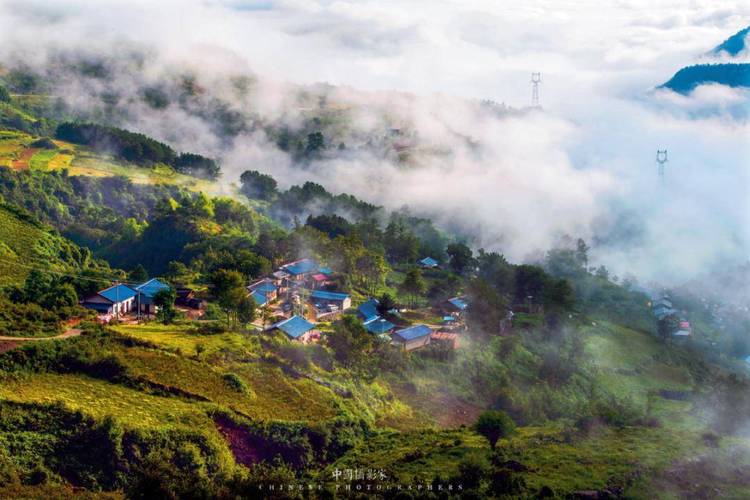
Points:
x=413 y=337
x=445 y=337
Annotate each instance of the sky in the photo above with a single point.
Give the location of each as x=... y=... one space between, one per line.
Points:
x=582 y=166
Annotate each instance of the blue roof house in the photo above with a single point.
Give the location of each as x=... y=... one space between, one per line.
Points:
x=117 y=299
x=301 y=268
x=260 y=298
x=378 y=325
x=369 y=310
x=265 y=288
x=455 y=306
x=297 y=329
x=328 y=302
x=146 y=292
x=413 y=337
x=428 y=262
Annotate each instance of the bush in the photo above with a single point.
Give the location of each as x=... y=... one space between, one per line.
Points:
x=235 y=382
x=494 y=425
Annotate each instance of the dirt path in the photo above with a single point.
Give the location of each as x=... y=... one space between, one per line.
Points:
x=22 y=163
x=71 y=332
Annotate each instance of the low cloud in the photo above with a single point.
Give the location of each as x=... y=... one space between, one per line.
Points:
x=509 y=180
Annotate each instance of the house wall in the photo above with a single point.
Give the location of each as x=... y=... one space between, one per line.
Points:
x=417 y=343
x=410 y=345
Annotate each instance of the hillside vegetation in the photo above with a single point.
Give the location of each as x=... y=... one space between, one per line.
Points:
x=561 y=383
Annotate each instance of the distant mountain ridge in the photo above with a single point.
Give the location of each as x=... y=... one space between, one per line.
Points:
x=732 y=45
x=690 y=77
x=730 y=74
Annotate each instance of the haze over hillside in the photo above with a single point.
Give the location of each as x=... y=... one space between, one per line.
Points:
x=514 y=181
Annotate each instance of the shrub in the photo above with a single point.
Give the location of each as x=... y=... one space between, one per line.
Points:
x=494 y=425
x=235 y=382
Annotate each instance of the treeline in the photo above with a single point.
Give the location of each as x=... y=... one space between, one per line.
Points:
x=136 y=148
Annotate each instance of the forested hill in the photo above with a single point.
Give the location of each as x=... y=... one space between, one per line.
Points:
x=730 y=74
x=733 y=45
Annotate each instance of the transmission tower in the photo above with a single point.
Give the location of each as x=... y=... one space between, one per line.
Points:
x=661 y=160
x=536 y=79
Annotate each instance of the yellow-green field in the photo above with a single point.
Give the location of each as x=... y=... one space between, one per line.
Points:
x=180 y=339
x=100 y=399
x=79 y=160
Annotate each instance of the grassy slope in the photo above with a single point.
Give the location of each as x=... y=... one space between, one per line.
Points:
x=23 y=244
x=628 y=364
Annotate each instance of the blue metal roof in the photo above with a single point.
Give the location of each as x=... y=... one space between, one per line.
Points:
x=322 y=294
x=369 y=309
x=265 y=287
x=294 y=327
x=413 y=332
x=151 y=287
x=428 y=262
x=379 y=325
x=448 y=319
x=259 y=298
x=118 y=292
x=301 y=267
x=458 y=303
x=325 y=270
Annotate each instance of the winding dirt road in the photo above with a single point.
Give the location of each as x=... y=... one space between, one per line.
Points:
x=72 y=332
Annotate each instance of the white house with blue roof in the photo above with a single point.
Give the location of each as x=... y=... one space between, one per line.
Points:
x=122 y=299
x=115 y=300
x=326 y=302
x=413 y=337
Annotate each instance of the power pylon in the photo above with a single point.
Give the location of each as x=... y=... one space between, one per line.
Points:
x=661 y=160
x=536 y=79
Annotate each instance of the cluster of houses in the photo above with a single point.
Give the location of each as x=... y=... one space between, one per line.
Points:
x=662 y=307
x=304 y=283
x=299 y=292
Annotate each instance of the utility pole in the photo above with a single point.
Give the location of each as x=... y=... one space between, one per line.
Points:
x=536 y=79
x=661 y=160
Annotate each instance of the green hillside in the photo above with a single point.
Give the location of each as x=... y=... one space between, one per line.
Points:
x=26 y=245
x=580 y=390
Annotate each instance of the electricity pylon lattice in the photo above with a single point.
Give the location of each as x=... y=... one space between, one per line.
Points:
x=536 y=79
x=661 y=160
